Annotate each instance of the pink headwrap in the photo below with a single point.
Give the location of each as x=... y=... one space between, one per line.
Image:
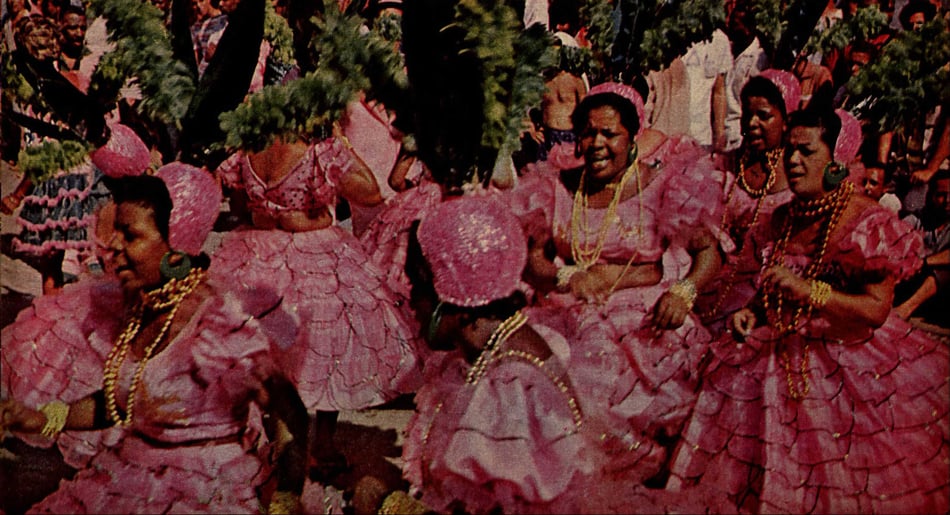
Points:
x=849 y=139
x=196 y=199
x=787 y=84
x=124 y=154
x=626 y=92
x=475 y=248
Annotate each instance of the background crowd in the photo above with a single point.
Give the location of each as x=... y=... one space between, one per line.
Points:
x=618 y=256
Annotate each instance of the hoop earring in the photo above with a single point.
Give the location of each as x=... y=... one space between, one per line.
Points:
x=834 y=173
x=179 y=271
x=434 y=321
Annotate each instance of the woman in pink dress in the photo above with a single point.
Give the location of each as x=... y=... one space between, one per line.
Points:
x=756 y=188
x=500 y=422
x=822 y=400
x=348 y=347
x=611 y=227
x=186 y=384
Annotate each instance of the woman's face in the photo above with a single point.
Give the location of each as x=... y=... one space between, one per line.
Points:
x=805 y=158
x=762 y=125
x=138 y=248
x=605 y=145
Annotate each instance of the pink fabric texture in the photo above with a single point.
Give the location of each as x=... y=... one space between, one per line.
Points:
x=350 y=346
x=124 y=154
x=196 y=442
x=56 y=350
x=735 y=285
x=870 y=436
x=677 y=201
x=849 y=139
x=196 y=200
x=787 y=84
x=475 y=248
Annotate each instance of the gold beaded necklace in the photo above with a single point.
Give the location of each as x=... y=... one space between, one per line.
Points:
x=495 y=341
x=584 y=253
x=835 y=202
x=170 y=295
x=773 y=157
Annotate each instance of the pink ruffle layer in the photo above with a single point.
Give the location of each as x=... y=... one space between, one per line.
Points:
x=353 y=347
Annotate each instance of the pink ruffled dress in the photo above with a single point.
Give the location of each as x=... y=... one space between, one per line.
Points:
x=676 y=201
x=871 y=434
x=196 y=443
x=512 y=440
x=353 y=347
x=56 y=350
x=734 y=285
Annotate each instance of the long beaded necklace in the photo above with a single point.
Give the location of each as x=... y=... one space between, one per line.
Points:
x=773 y=157
x=586 y=255
x=497 y=338
x=835 y=203
x=170 y=295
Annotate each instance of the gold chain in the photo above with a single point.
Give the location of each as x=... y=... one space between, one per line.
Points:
x=586 y=255
x=772 y=159
x=793 y=390
x=561 y=385
x=495 y=341
x=834 y=202
x=169 y=295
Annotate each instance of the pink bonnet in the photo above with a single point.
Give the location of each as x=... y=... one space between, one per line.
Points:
x=475 y=248
x=626 y=92
x=787 y=84
x=196 y=199
x=124 y=154
x=849 y=139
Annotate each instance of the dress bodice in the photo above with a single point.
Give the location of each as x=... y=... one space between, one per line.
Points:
x=311 y=183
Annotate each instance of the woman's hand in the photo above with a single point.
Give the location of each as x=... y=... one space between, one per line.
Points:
x=669 y=312
x=782 y=280
x=591 y=285
x=743 y=321
x=17 y=417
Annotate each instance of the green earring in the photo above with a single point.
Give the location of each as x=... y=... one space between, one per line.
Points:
x=179 y=271
x=834 y=173
x=434 y=322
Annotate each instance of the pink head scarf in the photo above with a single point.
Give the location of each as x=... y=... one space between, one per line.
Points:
x=196 y=199
x=124 y=154
x=626 y=92
x=849 y=139
x=787 y=84
x=475 y=248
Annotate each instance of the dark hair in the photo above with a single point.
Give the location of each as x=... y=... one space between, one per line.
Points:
x=147 y=191
x=629 y=117
x=824 y=119
x=761 y=87
x=916 y=6
x=940 y=175
x=71 y=9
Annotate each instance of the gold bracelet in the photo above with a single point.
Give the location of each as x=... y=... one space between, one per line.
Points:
x=820 y=293
x=565 y=273
x=283 y=503
x=685 y=290
x=401 y=503
x=56 y=414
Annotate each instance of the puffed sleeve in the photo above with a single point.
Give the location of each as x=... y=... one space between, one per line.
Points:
x=532 y=201
x=231 y=172
x=691 y=199
x=331 y=161
x=881 y=245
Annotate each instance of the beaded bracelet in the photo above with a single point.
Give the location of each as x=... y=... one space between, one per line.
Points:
x=685 y=290
x=56 y=414
x=565 y=273
x=820 y=293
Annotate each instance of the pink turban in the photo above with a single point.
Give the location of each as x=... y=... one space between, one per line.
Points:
x=849 y=139
x=787 y=84
x=626 y=92
x=124 y=154
x=475 y=248
x=196 y=200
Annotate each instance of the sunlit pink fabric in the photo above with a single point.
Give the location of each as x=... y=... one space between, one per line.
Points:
x=353 y=346
x=196 y=442
x=871 y=434
x=56 y=350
